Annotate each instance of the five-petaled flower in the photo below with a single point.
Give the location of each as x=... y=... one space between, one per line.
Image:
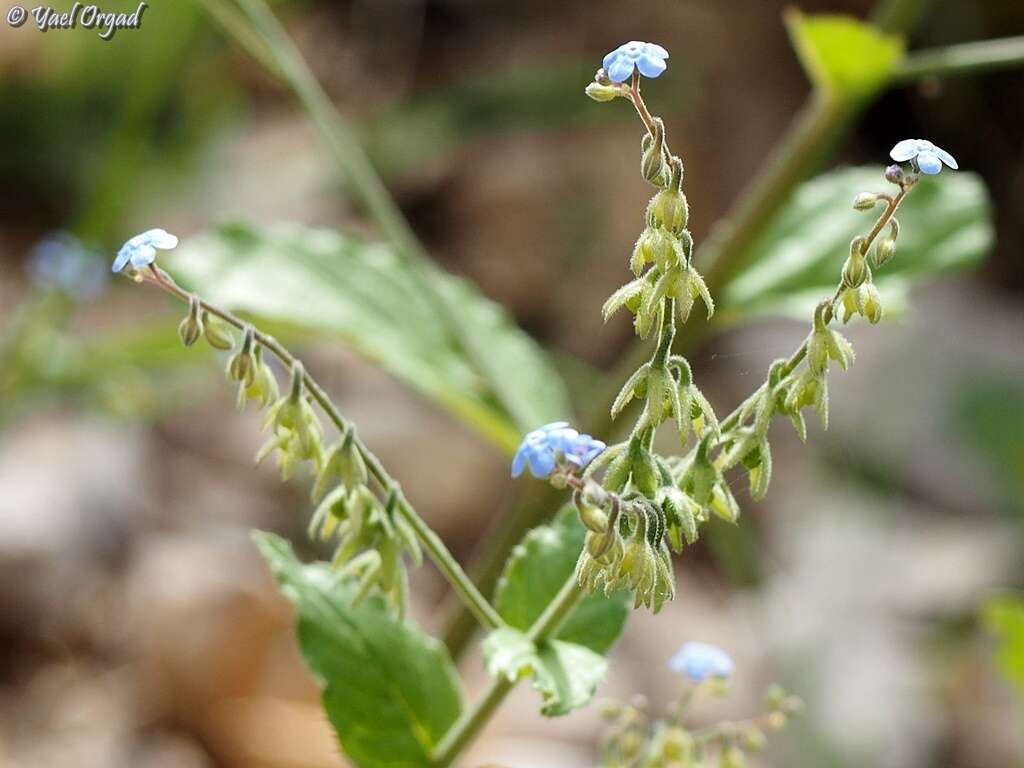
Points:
x=649 y=58
x=543 y=448
x=700 y=661
x=929 y=158
x=140 y=251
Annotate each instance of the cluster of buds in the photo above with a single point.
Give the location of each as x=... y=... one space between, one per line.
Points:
x=635 y=739
x=369 y=536
x=665 y=246
x=625 y=546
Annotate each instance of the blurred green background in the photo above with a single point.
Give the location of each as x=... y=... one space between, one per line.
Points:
x=138 y=626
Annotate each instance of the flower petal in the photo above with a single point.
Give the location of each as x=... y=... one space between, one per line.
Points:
x=161 y=238
x=929 y=163
x=947 y=158
x=621 y=69
x=610 y=58
x=143 y=256
x=653 y=49
x=542 y=463
x=519 y=462
x=122 y=258
x=650 y=66
x=904 y=150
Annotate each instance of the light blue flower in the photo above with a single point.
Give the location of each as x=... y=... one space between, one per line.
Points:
x=929 y=157
x=700 y=661
x=61 y=262
x=649 y=58
x=542 y=448
x=140 y=251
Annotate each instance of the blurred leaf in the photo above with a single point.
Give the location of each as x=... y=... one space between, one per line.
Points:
x=1004 y=618
x=323 y=281
x=566 y=674
x=390 y=691
x=538 y=568
x=843 y=56
x=945 y=224
x=990 y=415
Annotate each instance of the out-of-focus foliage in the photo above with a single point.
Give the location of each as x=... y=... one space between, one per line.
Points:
x=326 y=282
x=990 y=415
x=946 y=224
x=1004 y=617
x=842 y=56
x=390 y=691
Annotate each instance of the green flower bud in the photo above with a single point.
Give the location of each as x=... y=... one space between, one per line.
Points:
x=885 y=249
x=216 y=332
x=872 y=303
x=680 y=517
x=242 y=365
x=701 y=476
x=753 y=738
x=759 y=465
x=652 y=159
x=600 y=92
x=263 y=388
x=865 y=201
x=669 y=210
x=855 y=270
x=653 y=246
x=191 y=328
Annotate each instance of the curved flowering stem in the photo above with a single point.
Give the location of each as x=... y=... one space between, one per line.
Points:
x=439 y=554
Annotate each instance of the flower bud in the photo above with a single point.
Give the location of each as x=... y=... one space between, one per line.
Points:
x=855 y=270
x=865 y=201
x=217 y=335
x=242 y=365
x=191 y=328
x=652 y=160
x=653 y=246
x=872 y=303
x=601 y=77
x=894 y=174
x=670 y=210
x=600 y=92
x=732 y=757
x=883 y=252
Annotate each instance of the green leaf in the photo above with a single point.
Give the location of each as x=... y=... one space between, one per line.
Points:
x=390 y=691
x=536 y=571
x=843 y=56
x=945 y=224
x=566 y=674
x=1004 y=618
x=363 y=293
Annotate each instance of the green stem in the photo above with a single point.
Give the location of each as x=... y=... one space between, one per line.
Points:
x=467 y=727
x=370 y=190
x=963 y=59
x=475 y=602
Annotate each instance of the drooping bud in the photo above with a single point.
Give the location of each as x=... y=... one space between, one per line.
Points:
x=855 y=270
x=216 y=332
x=653 y=246
x=242 y=365
x=886 y=247
x=668 y=208
x=652 y=159
x=191 y=328
x=872 y=303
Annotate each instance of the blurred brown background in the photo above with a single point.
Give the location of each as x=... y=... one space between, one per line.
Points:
x=138 y=626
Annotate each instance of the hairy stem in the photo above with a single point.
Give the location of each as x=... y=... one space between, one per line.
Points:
x=475 y=602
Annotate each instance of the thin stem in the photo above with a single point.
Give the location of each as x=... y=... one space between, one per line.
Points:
x=963 y=59
x=369 y=188
x=467 y=727
x=439 y=554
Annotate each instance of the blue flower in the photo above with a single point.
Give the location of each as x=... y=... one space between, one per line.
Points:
x=699 y=661
x=141 y=249
x=60 y=262
x=649 y=58
x=929 y=157
x=542 y=448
